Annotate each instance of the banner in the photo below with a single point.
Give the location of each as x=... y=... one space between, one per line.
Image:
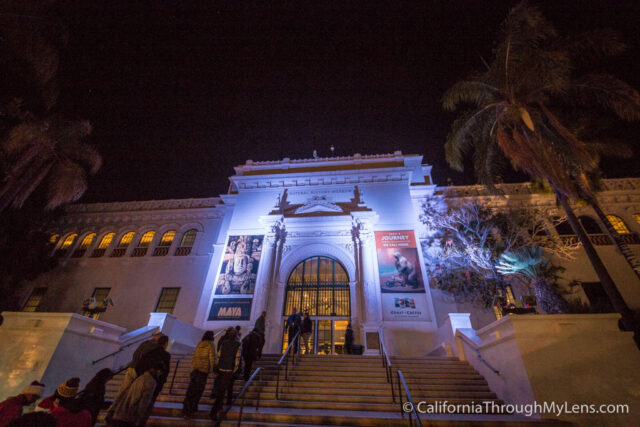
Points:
x=398 y=262
x=230 y=309
x=239 y=266
x=401 y=283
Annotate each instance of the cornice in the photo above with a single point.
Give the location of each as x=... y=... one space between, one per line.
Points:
x=147 y=205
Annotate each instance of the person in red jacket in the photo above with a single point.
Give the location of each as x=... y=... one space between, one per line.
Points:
x=11 y=408
x=64 y=406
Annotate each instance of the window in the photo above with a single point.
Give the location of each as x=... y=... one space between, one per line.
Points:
x=123 y=245
x=564 y=229
x=598 y=299
x=143 y=245
x=320 y=285
x=54 y=238
x=637 y=217
x=167 y=301
x=618 y=224
x=100 y=295
x=103 y=246
x=66 y=245
x=590 y=225
x=34 y=300
x=86 y=242
x=188 y=238
x=165 y=243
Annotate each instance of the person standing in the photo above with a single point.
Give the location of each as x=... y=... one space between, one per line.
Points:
x=66 y=409
x=348 y=339
x=293 y=327
x=305 y=333
x=11 y=408
x=251 y=351
x=260 y=327
x=131 y=408
x=158 y=354
x=92 y=397
x=203 y=362
x=228 y=362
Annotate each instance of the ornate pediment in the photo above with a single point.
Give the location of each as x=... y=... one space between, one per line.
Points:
x=318 y=204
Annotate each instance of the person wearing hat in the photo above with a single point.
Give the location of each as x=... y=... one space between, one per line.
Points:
x=131 y=408
x=11 y=408
x=64 y=406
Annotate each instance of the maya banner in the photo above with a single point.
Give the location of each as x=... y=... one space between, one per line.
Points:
x=240 y=266
x=401 y=283
x=230 y=309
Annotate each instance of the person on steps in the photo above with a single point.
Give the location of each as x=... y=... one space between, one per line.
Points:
x=306 y=331
x=132 y=407
x=293 y=327
x=92 y=397
x=348 y=339
x=12 y=408
x=228 y=362
x=202 y=364
x=158 y=354
x=251 y=351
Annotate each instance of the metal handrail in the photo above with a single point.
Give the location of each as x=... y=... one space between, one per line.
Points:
x=122 y=348
x=409 y=400
x=386 y=363
x=258 y=372
x=285 y=359
x=495 y=371
x=175 y=370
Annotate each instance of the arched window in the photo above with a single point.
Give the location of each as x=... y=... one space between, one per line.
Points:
x=188 y=238
x=54 y=238
x=165 y=243
x=590 y=225
x=319 y=285
x=86 y=242
x=66 y=245
x=103 y=245
x=143 y=245
x=636 y=216
x=618 y=224
x=564 y=229
x=125 y=241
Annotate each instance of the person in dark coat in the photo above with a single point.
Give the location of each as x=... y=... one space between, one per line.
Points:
x=260 y=327
x=348 y=339
x=92 y=397
x=251 y=351
x=228 y=362
x=11 y=408
x=306 y=332
x=293 y=327
x=149 y=360
x=34 y=419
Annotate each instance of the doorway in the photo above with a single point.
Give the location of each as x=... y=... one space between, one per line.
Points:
x=327 y=337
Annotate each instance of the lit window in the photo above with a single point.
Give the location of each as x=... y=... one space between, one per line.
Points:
x=618 y=224
x=167 y=300
x=637 y=217
x=106 y=240
x=88 y=239
x=34 y=300
x=509 y=292
x=54 y=238
x=126 y=240
x=66 y=245
x=188 y=238
x=146 y=239
x=100 y=295
x=68 y=241
x=103 y=245
x=167 y=238
x=86 y=242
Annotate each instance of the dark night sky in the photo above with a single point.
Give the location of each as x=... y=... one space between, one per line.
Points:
x=180 y=92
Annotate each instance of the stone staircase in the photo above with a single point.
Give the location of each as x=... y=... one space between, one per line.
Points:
x=335 y=390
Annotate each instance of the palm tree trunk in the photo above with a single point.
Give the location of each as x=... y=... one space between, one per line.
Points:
x=548 y=298
x=628 y=320
x=631 y=258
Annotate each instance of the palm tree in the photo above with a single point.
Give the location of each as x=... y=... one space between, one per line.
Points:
x=513 y=110
x=50 y=150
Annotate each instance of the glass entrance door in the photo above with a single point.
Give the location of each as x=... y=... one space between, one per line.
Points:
x=324 y=337
x=327 y=337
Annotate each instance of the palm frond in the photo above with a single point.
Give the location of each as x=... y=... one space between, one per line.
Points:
x=476 y=93
x=67 y=183
x=606 y=91
x=592 y=45
x=464 y=130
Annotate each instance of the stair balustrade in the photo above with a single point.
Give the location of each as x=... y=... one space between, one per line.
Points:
x=386 y=363
x=288 y=354
x=257 y=373
x=409 y=400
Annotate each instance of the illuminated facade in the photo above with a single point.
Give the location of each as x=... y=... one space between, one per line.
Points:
x=339 y=237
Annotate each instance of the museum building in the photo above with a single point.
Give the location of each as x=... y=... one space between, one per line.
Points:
x=338 y=237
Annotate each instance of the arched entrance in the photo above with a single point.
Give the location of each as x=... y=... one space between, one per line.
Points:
x=320 y=285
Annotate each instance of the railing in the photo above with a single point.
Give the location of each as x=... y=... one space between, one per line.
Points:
x=161 y=251
x=137 y=252
x=118 y=252
x=386 y=363
x=183 y=251
x=495 y=371
x=97 y=253
x=258 y=373
x=603 y=239
x=119 y=350
x=409 y=400
x=175 y=369
x=285 y=359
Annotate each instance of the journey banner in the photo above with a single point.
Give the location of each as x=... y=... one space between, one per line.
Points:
x=240 y=265
x=398 y=262
x=230 y=309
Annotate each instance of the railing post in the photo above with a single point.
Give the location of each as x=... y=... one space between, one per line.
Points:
x=175 y=370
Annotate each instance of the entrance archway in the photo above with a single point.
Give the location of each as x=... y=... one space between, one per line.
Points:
x=320 y=285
